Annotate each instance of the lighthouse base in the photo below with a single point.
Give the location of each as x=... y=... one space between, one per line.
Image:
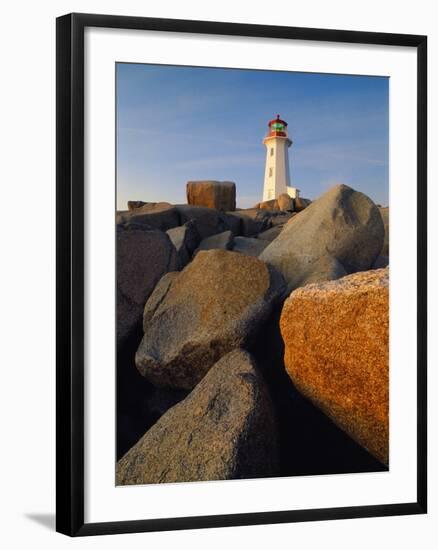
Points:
x=293 y=192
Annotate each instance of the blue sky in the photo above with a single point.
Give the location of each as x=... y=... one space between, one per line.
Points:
x=176 y=124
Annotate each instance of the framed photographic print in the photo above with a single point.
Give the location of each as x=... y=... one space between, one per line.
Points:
x=241 y=274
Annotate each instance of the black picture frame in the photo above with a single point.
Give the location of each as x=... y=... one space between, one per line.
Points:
x=70 y=273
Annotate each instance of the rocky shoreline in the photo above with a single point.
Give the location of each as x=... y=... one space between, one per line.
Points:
x=251 y=343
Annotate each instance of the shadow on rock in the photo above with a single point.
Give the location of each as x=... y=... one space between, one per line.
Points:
x=139 y=403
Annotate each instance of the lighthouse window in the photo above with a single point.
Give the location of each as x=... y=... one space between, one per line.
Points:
x=272 y=151
x=270 y=172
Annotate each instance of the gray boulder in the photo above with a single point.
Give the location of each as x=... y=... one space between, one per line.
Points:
x=325 y=268
x=220 y=195
x=157 y=296
x=142 y=259
x=264 y=218
x=224 y=429
x=381 y=262
x=223 y=241
x=270 y=234
x=216 y=304
x=341 y=232
x=185 y=239
x=254 y=213
x=231 y=222
x=160 y=215
x=208 y=221
x=281 y=218
x=251 y=221
x=249 y=245
x=384 y=212
x=268 y=217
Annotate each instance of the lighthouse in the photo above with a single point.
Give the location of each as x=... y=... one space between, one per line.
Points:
x=277 y=173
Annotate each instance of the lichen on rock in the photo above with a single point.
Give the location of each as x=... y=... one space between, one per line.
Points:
x=336 y=337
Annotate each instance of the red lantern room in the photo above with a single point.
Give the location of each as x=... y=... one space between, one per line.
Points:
x=277 y=127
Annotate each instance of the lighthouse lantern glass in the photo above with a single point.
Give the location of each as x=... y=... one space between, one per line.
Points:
x=277 y=128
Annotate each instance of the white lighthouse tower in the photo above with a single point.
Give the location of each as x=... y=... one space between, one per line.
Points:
x=277 y=173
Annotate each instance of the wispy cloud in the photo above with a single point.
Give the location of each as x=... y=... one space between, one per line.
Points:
x=334 y=155
x=220 y=160
x=186 y=135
